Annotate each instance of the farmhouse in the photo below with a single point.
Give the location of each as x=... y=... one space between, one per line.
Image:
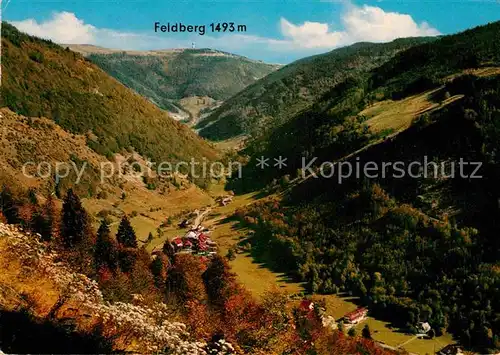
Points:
x=195 y=242
x=450 y=350
x=423 y=327
x=356 y=316
x=224 y=200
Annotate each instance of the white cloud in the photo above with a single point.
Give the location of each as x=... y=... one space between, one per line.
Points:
x=365 y=23
x=63 y=27
x=357 y=23
x=369 y=23
x=310 y=35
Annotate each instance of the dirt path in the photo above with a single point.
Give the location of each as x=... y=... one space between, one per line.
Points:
x=200 y=216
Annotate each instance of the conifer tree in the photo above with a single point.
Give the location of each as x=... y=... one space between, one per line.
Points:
x=32 y=196
x=352 y=332
x=74 y=221
x=105 y=252
x=126 y=234
x=366 y=332
x=8 y=206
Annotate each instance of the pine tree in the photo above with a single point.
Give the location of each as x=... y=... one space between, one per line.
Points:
x=32 y=197
x=8 y=206
x=366 y=333
x=126 y=235
x=105 y=252
x=352 y=332
x=74 y=222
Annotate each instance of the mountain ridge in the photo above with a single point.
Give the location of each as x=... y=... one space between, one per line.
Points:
x=80 y=97
x=167 y=76
x=270 y=101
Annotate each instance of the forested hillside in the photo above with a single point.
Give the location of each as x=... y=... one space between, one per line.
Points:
x=423 y=67
x=365 y=109
x=273 y=100
x=414 y=248
x=167 y=76
x=42 y=79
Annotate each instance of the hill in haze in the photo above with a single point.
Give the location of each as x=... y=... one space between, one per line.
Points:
x=168 y=76
x=272 y=100
x=42 y=79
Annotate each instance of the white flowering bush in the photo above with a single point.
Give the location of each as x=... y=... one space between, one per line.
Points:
x=136 y=327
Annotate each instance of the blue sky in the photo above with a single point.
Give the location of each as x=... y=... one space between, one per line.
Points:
x=277 y=31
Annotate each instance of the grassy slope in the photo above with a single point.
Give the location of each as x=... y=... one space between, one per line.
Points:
x=455 y=133
x=42 y=79
x=277 y=97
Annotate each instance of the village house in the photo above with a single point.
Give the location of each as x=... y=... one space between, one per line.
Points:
x=306 y=309
x=356 y=316
x=177 y=242
x=451 y=349
x=423 y=328
x=194 y=241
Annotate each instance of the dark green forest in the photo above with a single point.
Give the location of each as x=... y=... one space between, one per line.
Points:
x=275 y=99
x=412 y=249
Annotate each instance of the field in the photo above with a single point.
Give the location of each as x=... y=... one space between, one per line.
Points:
x=398 y=115
x=146 y=210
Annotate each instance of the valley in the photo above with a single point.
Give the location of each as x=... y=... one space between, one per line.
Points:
x=278 y=260
x=257 y=277
x=188 y=83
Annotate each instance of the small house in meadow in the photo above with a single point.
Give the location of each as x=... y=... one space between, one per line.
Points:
x=356 y=316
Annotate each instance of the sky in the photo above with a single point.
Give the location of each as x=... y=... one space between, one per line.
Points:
x=276 y=31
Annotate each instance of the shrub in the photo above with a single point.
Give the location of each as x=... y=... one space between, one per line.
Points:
x=36 y=56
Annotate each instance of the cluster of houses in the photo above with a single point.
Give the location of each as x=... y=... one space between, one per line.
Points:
x=307 y=307
x=195 y=241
